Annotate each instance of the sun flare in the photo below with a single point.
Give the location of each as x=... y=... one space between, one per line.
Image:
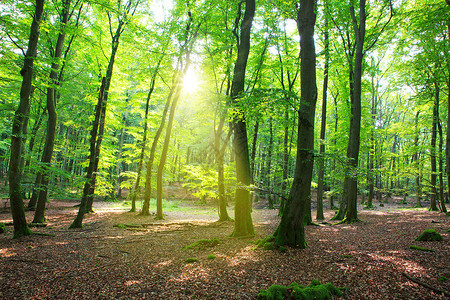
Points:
x=190 y=81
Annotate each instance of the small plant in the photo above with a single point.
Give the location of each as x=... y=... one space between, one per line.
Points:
x=421 y=248
x=282 y=249
x=443 y=278
x=211 y=256
x=347 y=256
x=191 y=260
x=2 y=227
x=429 y=235
x=296 y=291
x=202 y=244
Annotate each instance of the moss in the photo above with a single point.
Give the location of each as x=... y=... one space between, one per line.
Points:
x=202 y=244
x=267 y=239
x=315 y=291
x=191 y=260
x=420 y=248
x=2 y=227
x=211 y=256
x=282 y=249
x=269 y=246
x=443 y=278
x=347 y=256
x=429 y=235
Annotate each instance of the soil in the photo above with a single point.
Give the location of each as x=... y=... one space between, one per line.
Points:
x=102 y=261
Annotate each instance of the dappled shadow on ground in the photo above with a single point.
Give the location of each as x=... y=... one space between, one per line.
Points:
x=147 y=261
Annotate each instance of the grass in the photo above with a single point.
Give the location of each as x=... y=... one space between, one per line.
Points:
x=173 y=205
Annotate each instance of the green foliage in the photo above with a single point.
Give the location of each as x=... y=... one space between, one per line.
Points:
x=315 y=291
x=202 y=244
x=2 y=227
x=420 y=248
x=429 y=235
x=201 y=180
x=442 y=279
x=191 y=260
x=211 y=256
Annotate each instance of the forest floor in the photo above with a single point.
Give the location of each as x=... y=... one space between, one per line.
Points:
x=102 y=261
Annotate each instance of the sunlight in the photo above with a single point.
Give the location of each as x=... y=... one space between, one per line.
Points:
x=190 y=81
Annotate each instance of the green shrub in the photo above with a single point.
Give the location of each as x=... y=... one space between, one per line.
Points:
x=190 y=260
x=2 y=227
x=202 y=244
x=314 y=291
x=211 y=256
x=429 y=235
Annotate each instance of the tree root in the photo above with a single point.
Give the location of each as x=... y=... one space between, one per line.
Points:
x=442 y=292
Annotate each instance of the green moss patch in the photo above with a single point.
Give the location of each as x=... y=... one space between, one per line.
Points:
x=202 y=244
x=211 y=256
x=315 y=291
x=421 y=248
x=429 y=235
x=2 y=227
x=191 y=260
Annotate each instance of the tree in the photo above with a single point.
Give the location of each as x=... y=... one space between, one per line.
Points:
x=291 y=229
x=321 y=167
x=52 y=90
x=19 y=127
x=124 y=13
x=243 y=225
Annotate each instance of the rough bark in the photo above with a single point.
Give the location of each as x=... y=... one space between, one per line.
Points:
x=136 y=188
x=78 y=222
x=291 y=229
x=321 y=161
x=20 y=118
x=433 y=192
x=243 y=225
x=39 y=215
x=350 y=191
x=415 y=159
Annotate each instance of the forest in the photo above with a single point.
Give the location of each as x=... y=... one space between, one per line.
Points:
x=243 y=149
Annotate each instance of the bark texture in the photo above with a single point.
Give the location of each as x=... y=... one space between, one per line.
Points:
x=291 y=230
x=19 y=123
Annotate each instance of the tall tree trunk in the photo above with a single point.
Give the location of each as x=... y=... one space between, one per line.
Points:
x=323 y=125
x=447 y=143
x=219 y=152
x=243 y=224
x=267 y=176
x=39 y=215
x=415 y=159
x=20 y=118
x=291 y=229
x=149 y=167
x=253 y=155
x=372 y=151
x=162 y=161
x=350 y=191
x=441 y=171
x=433 y=192
x=77 y=223
x=136 y=189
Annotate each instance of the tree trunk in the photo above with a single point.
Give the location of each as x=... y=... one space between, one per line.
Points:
x=39 y=215
x=148 y=180
x=433 y=192
x=321 y=161
x=243 y=224
x=162 y=161
x=20 y=118
x=77 y=223
x=267 y=176
x=136 y=189
x=350 y=191
x=291 y=229
x=441 y=171
x=415 y=159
